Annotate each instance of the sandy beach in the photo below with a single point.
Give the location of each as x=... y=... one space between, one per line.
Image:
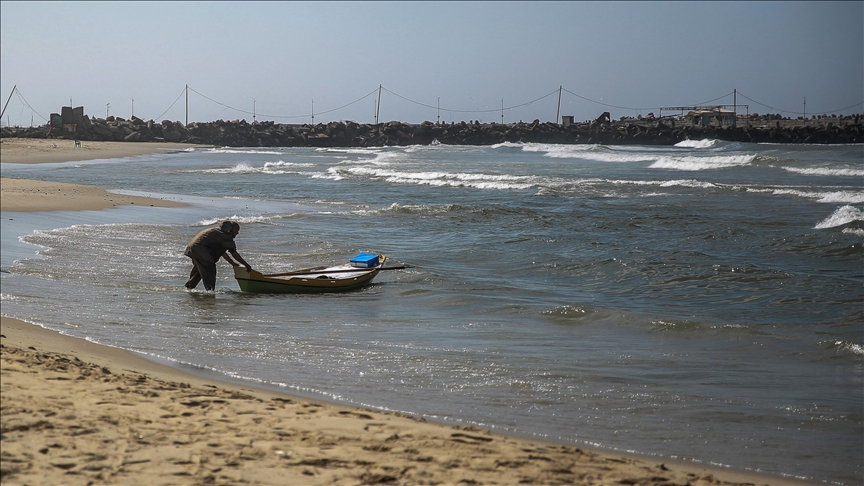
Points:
x=25 y=195
x=73 y=412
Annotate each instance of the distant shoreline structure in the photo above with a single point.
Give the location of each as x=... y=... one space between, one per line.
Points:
x=667 y=130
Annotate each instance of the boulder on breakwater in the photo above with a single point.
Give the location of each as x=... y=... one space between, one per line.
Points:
x=646 y=131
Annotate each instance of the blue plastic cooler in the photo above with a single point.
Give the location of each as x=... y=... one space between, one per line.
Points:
x=364 y=260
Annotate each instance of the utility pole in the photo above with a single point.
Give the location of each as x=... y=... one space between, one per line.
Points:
x=378 y=107
x=558 y=115
x=107 y=105
x=439 y=110
x=313 y=111
x=254 y=116
x=502 y=111
x=187 y=104
x=133 y=107
x=7 y=104
x=735 y=105
x=805 y=107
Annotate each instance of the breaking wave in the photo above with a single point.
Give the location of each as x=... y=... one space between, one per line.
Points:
x=704 y=143
x=824 y=171
x=843 y=215
x=460 y=179
x=692 y=163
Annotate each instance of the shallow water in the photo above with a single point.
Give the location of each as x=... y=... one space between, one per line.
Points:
x=702 y=302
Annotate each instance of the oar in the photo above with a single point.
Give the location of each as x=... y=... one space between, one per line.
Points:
x=295 y=272
x=324 y=272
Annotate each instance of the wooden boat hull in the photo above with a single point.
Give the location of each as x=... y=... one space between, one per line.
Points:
x=344 y=279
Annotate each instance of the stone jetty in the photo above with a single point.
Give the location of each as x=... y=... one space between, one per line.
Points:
x=643 y=131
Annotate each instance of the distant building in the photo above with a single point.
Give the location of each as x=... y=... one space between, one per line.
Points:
x=70 y=118
x=712 y=116
x=566 y=120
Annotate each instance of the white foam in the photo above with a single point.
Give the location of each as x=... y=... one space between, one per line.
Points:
x=826 y=171
x=692 y=163
x=239 y=219
x=365 y=151
x=824 y=197
x=226 y=150
x=241 y=168
x=460 y=179
x=583 y=151
x=842 y=197
x=507 y=145
x=282 y=163
x=704 y=143
x=843 y=215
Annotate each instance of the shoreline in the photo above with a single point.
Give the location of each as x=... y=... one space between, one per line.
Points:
x=23 y=195
x=74 y=412
x=43 y=151
x=73 y=409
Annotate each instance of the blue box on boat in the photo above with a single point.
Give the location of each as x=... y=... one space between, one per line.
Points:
x=364 y=260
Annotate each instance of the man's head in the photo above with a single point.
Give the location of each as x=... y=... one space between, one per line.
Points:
x=235 y=228
x=226 y=226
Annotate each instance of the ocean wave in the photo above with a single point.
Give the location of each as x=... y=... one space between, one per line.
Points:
x=694 y=163
x=843 y=347
x=226 y=150
x=826 y=171
x=593 y=152
x=841 y=216
x=340 y=150
x=241 y=168
x=704 y=143
x=419 y=208
x=842 y=197
x=833 y=197
x=575 y=313
x=240 y=219
x=507 y=145
x=459 y=179
x=282 y=163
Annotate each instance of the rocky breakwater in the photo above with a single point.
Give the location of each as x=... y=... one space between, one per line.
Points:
x=240 y=133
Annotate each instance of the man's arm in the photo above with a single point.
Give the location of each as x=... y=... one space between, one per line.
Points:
x=229 y=260
x=239 y=259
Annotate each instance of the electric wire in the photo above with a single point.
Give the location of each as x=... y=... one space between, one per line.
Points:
x=172 y=104
x=496 y=110
x=283 y=116
x=21 y=97
x=451 y=110
x=798 y=112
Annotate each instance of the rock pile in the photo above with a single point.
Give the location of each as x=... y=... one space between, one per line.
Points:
x=239 y=133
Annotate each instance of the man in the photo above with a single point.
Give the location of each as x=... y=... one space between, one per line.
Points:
x=206 y=248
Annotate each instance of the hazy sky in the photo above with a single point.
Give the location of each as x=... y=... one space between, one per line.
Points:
x=290 y=58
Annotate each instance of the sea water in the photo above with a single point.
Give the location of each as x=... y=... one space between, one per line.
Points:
x=701 y=302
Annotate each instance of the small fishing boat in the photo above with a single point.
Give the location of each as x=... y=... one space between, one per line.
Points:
x=357 y=273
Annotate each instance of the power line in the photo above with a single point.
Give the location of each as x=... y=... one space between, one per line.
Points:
x=172 y=104
x=21 y=97
x=284 y=116
x=470 y=111
x=798 y=112
x=632 y=108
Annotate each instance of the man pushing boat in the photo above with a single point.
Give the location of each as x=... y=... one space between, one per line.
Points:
x=206 y=248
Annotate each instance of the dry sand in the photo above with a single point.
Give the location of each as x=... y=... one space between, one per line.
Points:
x=39 y=151
x=77 y=413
